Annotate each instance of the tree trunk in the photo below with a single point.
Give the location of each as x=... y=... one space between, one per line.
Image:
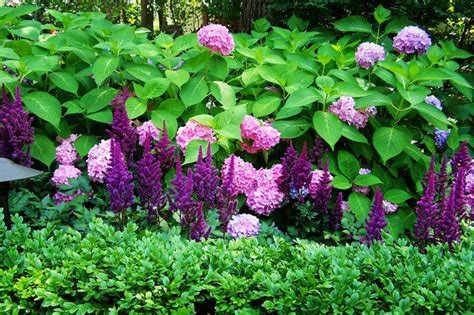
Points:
x=147 y=14
x=161 y=15
x=251 y=11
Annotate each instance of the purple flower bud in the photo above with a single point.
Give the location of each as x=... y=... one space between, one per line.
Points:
x=226 y=197
x=376 y=223
x=426 y=210
x=318 y=151
x=205 y=179
x=448 y=226
x=182 y=192
x=199 y=229
x=461 y=159
x=164 y=150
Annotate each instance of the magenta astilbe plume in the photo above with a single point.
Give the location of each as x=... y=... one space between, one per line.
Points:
x=164 y=150
x=460 y=200
x=448 y=228
x=122 y=129
x=442 y=177
x=377 y=222
x=199 y=229
x=323 y=191
x=318 y=151
x=337 y=212
x=300 y=176
x=288 y=161
x=205 y=179
x=119 y=181
x=426 y=211
x=182 y=192
x=227 y=197
x=148 y=177
x=431 y=170
x=16 y=132
x=461 y=159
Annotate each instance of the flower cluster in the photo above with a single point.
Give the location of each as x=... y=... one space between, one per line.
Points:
x=205 y=179
x=63 y=173
x=433 y=100
x=217 y=38
x=99 y=161
x=243 y=174
x=164 y=150
x=389 y=207
x=266 y=195
x=66 y=153
x=441 y=137
x=147 y=128
x=377 y=222
x=364 y=171
x=258 y=135
x=412 y=39
x=193 y=131
x=368 y=54
x=316 y=180
x=243 y=225
x=345 y=109
x=226 y=198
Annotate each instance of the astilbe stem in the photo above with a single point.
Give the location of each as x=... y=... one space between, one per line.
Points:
x=205 y=179
x=16 y=131
x=323 y=191
x=199 y=229
x=182 y=192
x=148 y=177
x=426 y=212
x=376 y=222
x=337 y=212
x=227 y=198
x=164 y=150
x=318 y=151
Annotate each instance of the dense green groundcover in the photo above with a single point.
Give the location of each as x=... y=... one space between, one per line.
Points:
x=105 y=270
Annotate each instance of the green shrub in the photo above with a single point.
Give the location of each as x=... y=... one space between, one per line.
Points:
x=128 y=272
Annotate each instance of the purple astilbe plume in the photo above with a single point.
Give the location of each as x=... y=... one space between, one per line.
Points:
x=16 y=134
x=199 y=229
x=119 y=181
x=461 y=159
x=460 y=200
x=431 y=170
x=377 y=222
x=448 y=228
x=288 y=161
x=122 y=130
x=323 y=191
x=205 y=179
x=442 y=177
x=164 y=150
x=300 y=176
x=227 y=197
x=337 y=212
x=182 y=191
x=148 y=177
x=318 y=151
x=426 y=211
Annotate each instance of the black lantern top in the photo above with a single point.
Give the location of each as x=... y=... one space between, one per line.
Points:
x=10 y=171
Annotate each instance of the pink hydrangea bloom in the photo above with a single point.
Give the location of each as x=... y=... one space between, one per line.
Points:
x=63 y=173
x=261 y=135
x=389 y=207
x=60 y=197
x=243 y=225
x=412 y=39
x=266 y=195
x=149 y=128
x=98 y=161
x=66 y=152
x=244 y=175
x=316 y=176
x=368 y=54
x=361 y=189
x=345 y=109
x=193 y=131
x=217 y=38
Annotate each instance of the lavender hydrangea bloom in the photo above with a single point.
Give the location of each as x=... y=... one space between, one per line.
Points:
x=344 y=108
x=16 y=132
x=119 y=181
x=148 y=178
x=368 y=54
x=441 y=137
x=364 y=171
x=425 y=210
x=227 y=197
x=377 y=222
x=199 y=229
x=217 y=38
x=433 y=100
x=244 y=225
x=66 y=153
x=205 y=179
x=412 y=39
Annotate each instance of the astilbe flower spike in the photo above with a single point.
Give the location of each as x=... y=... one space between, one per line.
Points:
x=426 y=210
x=122 y=129
x=182 y=191
x=431 y=170
x=199 y=229
x=323 y=191
x=337 y=212
x=148 y=177
x=205 y=179
x=442 y=177
x=119 y=181
x=164 y=150
x=300 y=176
x=287 y=162
x=318 y=151
x=16 y=131
x=461 y=159
x=377 y=222
x=227 y=197
x=460 y=197
x=448 y=228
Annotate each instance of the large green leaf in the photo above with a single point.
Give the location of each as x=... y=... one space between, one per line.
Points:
x=389 y=142
x=84 y=143
x=158 y=116
x=104 y=116
x=367 y=180
x=397 y=196
x=153 y=88
x=348 y=164
x=360 y=205
x=351 y=133
x=194 y=91
x=232 y=116
x=104 y=67
x=223 y=93
x=353 y=24
x=328 y=126
x=43 y=150
x=45 y=106
x=142 y=72
x=266 y=105
x=178 y=77
x=374 y=99
x=433 y=115
x=173 y=106
x=303 y=98
x=97 y=99
x=291 y=128
x=192 y=150
x=8 y=53
x=135 y=107
x=65 y=81
x=341 y=182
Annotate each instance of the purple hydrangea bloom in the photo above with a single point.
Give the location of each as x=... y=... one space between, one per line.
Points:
x=182 y=192
x=217 y=38
x=377 y=222
x=368 y=54
x=205 y=179
x=16 y=132
x=119 y=181
x=148 y=178
x=433 y=100
x=364 y=190
x=364 y=171
x=164 y=150
x=323 y=191
x=66 y=153
x=344 y=108
x=441 y=137
x=337 y=212
x=227 y=197
x=426 y=210
x=412 y=39
x=244 y=225
x=199 y=229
